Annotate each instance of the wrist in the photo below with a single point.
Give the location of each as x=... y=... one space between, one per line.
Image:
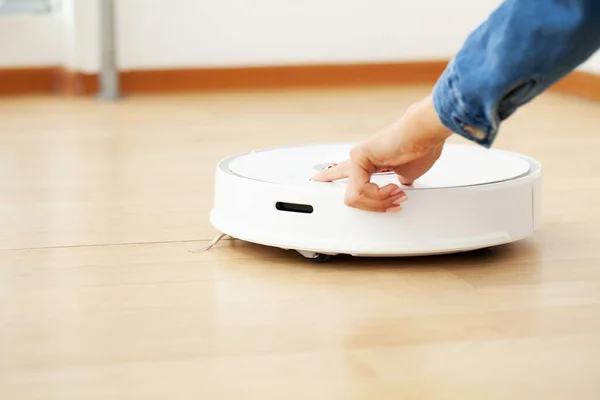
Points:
x=422 y=118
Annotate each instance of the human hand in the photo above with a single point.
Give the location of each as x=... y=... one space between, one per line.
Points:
x=409 y=147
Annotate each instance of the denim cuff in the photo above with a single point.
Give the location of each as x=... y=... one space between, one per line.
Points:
x=457 y=115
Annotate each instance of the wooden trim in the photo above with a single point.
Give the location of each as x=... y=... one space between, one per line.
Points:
x=16 y=81
x=182 y=80
x=50 y=80
x=580 y=84
x=71 y=83
x=62 y=81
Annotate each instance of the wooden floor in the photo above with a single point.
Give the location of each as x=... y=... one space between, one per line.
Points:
x=100 y=298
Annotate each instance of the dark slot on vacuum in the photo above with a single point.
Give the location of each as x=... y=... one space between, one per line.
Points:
x=294 y=207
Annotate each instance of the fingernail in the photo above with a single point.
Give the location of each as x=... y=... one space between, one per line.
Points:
x=400 y=200
x=394 y=209
x=396 y=191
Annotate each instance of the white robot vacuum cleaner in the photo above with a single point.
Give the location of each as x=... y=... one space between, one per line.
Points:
x=472 y=198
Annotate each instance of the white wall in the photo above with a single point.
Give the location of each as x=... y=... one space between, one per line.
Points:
x=81 y=35
x=191 y=33
x=593 y=64
x=242 y=32
x=30 y=41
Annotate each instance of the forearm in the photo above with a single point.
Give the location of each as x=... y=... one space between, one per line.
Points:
x=523 y=48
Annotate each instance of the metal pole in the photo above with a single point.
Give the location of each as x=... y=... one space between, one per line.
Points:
x=109 y=74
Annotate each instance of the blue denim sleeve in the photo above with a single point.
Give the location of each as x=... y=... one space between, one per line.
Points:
x=519 y=51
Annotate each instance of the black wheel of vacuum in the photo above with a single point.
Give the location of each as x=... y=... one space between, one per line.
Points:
x=322 y=258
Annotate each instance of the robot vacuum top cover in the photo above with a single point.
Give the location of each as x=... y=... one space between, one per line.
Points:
x=458 y=166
